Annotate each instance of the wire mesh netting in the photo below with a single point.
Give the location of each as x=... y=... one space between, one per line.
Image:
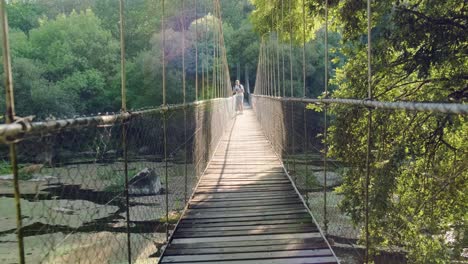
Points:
x=401 y=186
x=72 y=183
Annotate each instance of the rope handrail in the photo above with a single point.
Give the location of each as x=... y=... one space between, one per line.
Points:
x=447 y=108
x=14 y=131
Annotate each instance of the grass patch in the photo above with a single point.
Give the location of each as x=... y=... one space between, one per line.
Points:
x=5 y=168
x=174 y=216
x=117 y=179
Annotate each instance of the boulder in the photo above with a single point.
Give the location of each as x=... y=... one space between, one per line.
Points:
x=145 y=182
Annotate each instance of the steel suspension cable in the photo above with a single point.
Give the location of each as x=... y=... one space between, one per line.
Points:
x=214 y=94
x=196 y=50
x=184 y=102
x=369 y=127
x=206 y=91
x=282 y=46
x=290 y=51
x=304 y=95
x=224 y=58
x=219 y=58
x=278 y=54
x=10 y=118
x=325 y=135
x=303 y=50
x=124 y=124
x=166 y=173
x=292 y=89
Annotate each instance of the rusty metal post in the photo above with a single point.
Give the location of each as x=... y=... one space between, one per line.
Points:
x=10 y=118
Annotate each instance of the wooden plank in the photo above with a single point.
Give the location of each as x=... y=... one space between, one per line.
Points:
x=245 y=218
x=240 y=170
x=240 y=244
x=187 y=224
x=239 y=191
x=249 y=232
x=249 y=256
x=248 y=203
x=237 y=228
x=252 y=248
x=244 y=196
x=249 y=209
x=243 y=181
x=199 y=215
x=221 y=184
x=245 y=238
x=300 y=260
x=244 y=189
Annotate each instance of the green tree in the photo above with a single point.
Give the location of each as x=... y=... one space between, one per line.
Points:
x=24 y=15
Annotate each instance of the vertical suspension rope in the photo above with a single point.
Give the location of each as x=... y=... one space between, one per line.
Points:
x=292 y=90
x=205 y=34
x=214 y=58
x=218 y=57
x=325 y=135
x=10 y=118
x=369 y=126
x=303 y=50
x=185 y=108
x=304 y=95
x=278 y=93
x=207 y=79
x=290 y=51
x=259 y=69
x=165 y=116
x=196 y=50
x=225 y=67
x=267 y=68
x=215 y=54
x=124 y=125
x=263 y=77
x=282 y=46
x=306 y=146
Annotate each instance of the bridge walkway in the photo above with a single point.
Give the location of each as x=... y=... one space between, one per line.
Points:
x=245 y=209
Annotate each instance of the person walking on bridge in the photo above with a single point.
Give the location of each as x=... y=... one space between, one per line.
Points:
x=238 y=90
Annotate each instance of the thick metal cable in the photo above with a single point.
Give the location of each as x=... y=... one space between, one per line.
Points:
x=226 y=81
x=325 y=127
x=447 y=108
x=290 y=52
x=293 y=143
x=215 y=53
x=306 y=145
x=196 y=50
x=123 y=74
x=205 y=91
x=166 y=173
x=303 y=50
x=10 y=118
x=369 y=126
x=184 y=102
x=282 y=46
x=278 y=54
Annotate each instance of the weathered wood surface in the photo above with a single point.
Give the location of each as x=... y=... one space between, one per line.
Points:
x=245 y=210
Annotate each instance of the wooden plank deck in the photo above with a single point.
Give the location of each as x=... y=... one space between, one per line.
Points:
x=245 y=209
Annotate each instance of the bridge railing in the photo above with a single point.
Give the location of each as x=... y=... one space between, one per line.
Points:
x=402 y=208
x=108 y=188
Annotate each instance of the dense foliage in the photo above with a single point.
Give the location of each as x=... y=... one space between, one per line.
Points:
x=66 y=53
x=418 y=188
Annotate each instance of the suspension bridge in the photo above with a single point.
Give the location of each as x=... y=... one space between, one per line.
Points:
x=195 y=182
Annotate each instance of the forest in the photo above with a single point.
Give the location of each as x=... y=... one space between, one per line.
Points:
x=66 y=54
